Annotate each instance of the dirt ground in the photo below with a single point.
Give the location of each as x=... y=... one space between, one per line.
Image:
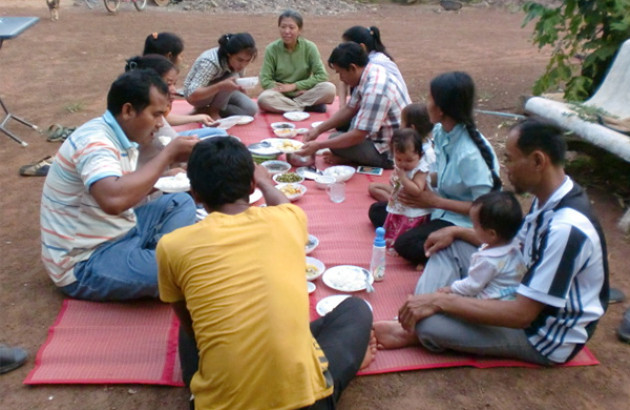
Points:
x=60 y=73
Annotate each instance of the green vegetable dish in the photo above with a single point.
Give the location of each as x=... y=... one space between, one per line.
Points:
x=288 y=177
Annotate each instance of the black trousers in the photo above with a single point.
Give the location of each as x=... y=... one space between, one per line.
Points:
x=343 y=335
x=409 y=245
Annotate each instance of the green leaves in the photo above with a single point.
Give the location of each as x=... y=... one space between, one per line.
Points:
x=585 y=35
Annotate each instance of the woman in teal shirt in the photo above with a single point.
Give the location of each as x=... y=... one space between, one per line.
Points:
x=467 y=166
x=293 y=75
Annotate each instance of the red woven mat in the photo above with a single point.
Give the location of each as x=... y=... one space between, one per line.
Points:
x=137 y=343
x=93 y=343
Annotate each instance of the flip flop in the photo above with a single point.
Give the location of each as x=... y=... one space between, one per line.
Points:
x=57 y=132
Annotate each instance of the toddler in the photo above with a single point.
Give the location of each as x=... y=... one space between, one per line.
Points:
x=410 y=173
x=416 y=117
x=497 y=268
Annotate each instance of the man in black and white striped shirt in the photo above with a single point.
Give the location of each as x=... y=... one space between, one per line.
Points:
x=562 y=295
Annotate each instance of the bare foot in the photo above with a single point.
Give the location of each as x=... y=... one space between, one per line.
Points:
x=391 y=335
x=370 y=352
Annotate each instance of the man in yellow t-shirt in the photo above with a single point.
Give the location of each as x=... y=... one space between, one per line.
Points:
x=236 y=281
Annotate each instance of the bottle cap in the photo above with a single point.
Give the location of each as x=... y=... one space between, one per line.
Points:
x=379 y=239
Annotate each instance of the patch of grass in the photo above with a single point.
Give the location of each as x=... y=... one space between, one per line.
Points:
x=73 y=107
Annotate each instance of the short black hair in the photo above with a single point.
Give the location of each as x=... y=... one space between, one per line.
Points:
x=405 y=137
x=157 y=62
x=348 y=53
x=500 y=210
x=221 y=171
x=417 y=115
x=134 y=87
x=538 y=134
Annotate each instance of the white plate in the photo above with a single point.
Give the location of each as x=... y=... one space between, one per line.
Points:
x=255 y=196
x=310 y=287
x=327 y=304
x=302 y=130
x=243 y=119
x=172 y=184
x=319 y=267
x=312 y=243
x=306 y=172
x=280 y=125
x=284 y=144
x=316 y=123
x=229 y=122
x=347 y=278
x=296 y=115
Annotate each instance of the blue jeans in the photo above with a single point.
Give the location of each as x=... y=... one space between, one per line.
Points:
x=126 y=268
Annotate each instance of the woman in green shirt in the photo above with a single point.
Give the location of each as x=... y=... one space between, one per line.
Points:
x=293 y=75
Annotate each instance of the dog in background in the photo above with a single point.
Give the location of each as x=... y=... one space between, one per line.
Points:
x=53 y=6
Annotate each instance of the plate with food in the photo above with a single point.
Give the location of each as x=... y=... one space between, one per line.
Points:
x=296 y=115
x=288 y=178
x=292 y=191
x=327 y=304
x=285 y=132
x=255 y=196
x=174 y=183
x=284 y=144
x=312 y=243
x=276 y=167
x=341 y=173
x=347 y=278
x=282 y=125
x=314 y=268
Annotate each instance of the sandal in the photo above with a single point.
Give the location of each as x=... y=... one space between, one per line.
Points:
x=37 y=169
x=58 y=133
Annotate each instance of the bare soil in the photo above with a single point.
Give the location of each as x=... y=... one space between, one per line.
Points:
x=60 y=73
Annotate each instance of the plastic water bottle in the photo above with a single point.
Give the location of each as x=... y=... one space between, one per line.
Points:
x=377 y=264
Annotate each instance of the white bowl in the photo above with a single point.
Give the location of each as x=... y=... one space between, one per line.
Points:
x=247 y=82
x=312 y=243
x=341 y=173
x=292 y=191
x=282 y=125
x=318 y=266
x=322 y=181
x=276 y=167
x=285 y=132
x=278 y=178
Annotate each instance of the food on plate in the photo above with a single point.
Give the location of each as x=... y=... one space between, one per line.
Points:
x=288 y=177
x=311 y=271
x=290 y=190
x=285 y=132
x=289 y=146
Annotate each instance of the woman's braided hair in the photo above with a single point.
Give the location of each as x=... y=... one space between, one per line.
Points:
x=454 y=94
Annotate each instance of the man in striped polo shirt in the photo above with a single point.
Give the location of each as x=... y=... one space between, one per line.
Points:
x=98 y=238
x=562 y=295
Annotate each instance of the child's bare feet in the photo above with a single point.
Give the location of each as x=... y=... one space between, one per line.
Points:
x=391 y=335
x=370 y=352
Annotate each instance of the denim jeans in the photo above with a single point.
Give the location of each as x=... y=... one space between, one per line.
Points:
x=126 y=268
